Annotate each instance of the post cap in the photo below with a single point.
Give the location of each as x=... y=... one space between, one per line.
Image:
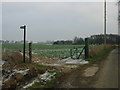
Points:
x=22 y=27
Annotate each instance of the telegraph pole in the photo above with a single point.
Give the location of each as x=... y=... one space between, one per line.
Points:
x=105 y=24
x=24 y=27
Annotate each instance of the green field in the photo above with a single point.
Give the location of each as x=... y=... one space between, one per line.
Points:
x=54 y=53
x=0 y=48
x=51 y=51
x=38 y=46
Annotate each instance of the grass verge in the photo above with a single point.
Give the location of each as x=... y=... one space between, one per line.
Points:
x=101 y=54
x=40 y=66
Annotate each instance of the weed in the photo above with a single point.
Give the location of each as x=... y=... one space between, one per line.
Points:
x=40 y=66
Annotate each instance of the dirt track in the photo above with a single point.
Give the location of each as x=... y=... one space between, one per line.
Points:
x=106 y=77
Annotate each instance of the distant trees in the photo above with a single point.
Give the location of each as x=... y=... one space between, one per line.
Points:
x=78 y=41
x=94 y=39
x=68 y=42
x=99 y=39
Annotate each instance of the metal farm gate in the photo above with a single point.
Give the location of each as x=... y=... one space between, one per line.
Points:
x=76 y=53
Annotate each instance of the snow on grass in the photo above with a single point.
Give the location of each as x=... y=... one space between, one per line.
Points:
x=74 y=61
x=47 y=76
x=30 y=84
x=23 y=72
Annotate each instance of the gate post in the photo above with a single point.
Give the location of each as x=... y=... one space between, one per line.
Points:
x=86 y=48
x=30 y=52
x=71 y=53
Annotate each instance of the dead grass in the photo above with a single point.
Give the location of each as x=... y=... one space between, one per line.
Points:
x=14 y=61
x=95 y=49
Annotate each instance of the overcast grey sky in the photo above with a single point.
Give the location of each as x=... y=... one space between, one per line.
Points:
x=56 y=20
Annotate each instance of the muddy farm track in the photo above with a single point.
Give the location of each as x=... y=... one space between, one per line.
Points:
x=104 y=76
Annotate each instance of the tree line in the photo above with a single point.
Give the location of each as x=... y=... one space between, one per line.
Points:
x=94 y=39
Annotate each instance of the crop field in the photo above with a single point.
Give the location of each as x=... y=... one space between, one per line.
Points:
x=51 y=51
x=0 y=49
x=54 y=53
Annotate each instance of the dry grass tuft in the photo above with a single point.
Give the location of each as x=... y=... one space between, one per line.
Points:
x=95 y=49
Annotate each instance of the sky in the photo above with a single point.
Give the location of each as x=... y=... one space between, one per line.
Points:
x=0 y=20
x=56 y=20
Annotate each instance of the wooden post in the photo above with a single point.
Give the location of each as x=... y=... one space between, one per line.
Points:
x=30 y=52
x=71 y=53
x=86 y=48
x=24 y=27
x=24 y=43
x=76 y=52
x=105 y=24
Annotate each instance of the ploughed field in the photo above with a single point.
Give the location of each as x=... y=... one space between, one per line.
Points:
x=50 y=51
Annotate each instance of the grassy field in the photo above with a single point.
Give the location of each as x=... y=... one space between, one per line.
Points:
x=51 y=51
x=0 y=49
x=38 y=46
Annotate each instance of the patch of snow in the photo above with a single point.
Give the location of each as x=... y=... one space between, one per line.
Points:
x=73 y=61
x=23 y=72
x=84 y=62
x=47 y=76
x=9 y=77
x=30 y=84
x=66 y=59
x=76 y=62
x=53 y=64
x=34 y=53
x=2 y=62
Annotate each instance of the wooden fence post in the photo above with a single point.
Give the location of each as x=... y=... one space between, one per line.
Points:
x=30 y=52
x=71 y=53
x=86 y=48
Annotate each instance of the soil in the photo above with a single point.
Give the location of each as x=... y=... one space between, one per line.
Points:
x=75 y=78
x=38 y=66
x=100 y=74
x=107 y=77
x=71 y=76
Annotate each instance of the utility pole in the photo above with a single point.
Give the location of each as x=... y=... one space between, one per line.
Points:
x=24 y=27
x=119 y=17
x=105 y=24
